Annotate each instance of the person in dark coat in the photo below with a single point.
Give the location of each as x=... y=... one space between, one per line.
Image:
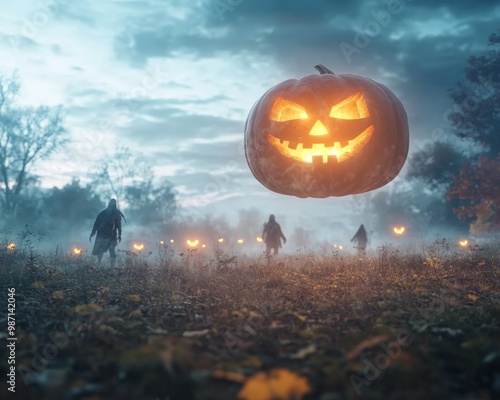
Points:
x=272 y=235
x=108 y=227
x=361 y=240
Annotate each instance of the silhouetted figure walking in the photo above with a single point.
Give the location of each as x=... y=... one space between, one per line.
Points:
x=361 y=240
x=108 y=226
x=272 y=235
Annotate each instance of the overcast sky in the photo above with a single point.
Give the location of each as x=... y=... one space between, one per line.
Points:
x=174 y=80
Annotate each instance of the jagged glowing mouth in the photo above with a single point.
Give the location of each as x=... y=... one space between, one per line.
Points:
x=318 y=151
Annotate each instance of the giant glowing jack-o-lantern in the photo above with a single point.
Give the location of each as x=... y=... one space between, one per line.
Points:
x=326 y=135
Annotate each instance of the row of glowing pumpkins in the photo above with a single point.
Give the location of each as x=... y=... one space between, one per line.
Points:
x=401 y=230
x=196 y=242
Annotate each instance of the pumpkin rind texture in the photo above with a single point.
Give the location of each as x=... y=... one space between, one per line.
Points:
x=326 y=135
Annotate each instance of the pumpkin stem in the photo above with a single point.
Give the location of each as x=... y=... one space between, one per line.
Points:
x=323 y=70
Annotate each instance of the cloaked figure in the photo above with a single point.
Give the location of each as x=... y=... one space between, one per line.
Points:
x=272 y=235
x=361 y=239
x=108 y=226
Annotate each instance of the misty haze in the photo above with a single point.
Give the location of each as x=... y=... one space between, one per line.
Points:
x=252 y=200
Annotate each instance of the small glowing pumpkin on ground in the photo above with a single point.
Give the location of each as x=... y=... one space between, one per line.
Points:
x=138 y=246
x=326 y=135
x=399 y=230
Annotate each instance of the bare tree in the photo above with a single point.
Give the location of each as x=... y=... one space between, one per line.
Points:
x=131 y=181
x=114 y=174
x=27 y=135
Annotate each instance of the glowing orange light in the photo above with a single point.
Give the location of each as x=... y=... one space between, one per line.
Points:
x=192 y=243
x=138 y=247
x=77 y=250
x=319 y=149
x=399 y=230
x=11 y=246
x=240 y=241
x=220 y=240
x=259 y=239
x=463 y=243
x=353 y=107
x=286 y=110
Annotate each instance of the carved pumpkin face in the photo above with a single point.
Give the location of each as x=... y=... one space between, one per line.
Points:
x=326 y=135
x=337 y=137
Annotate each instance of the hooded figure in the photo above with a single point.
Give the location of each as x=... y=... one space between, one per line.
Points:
x=108 y=226
x=361 y=240
x=272 y=235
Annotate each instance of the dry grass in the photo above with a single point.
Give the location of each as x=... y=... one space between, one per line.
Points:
x=166 y=325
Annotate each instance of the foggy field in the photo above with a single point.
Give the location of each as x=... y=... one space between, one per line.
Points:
x=319 y=325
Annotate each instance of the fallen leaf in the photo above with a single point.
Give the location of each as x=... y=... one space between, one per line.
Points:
x=276 y=325
x=472 y=297
x=238 y=314
x=57 y=295
x=134 y=298
x=85 y=308
x=424 y=327
x=157 y=331
x=365 y=344
x=189 y=334
x=299 y=316
x=277 y=384
x=448 y=331
x=491 y=357
x=107 y=328
x=135 y=314
x=304 y=352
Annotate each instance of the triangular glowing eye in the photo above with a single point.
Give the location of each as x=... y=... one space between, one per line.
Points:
x=286 y=110
x=354 y=107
